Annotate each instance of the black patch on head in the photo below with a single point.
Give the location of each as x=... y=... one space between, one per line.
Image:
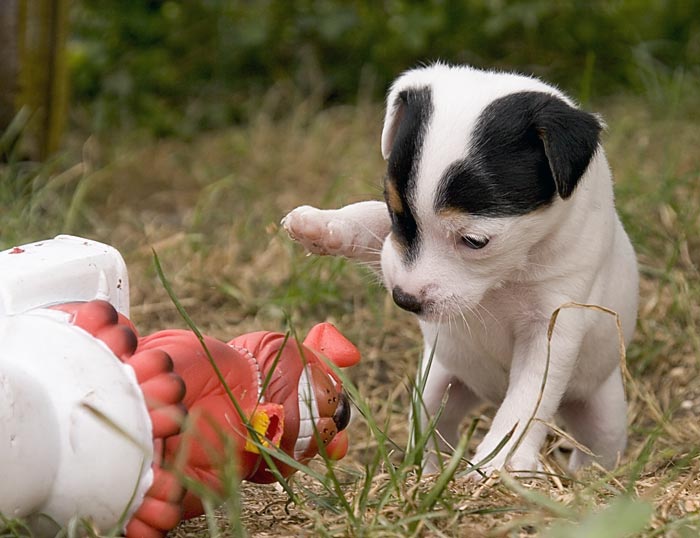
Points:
x=526 y=148
x=414 y=108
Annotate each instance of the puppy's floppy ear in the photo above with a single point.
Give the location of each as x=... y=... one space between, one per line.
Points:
x=396 y=106
x=408 y=110
x=570 y=139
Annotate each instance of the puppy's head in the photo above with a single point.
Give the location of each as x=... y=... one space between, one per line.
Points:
x=480 y=166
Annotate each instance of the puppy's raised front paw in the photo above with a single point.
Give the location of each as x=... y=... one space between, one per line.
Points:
x=321 y=231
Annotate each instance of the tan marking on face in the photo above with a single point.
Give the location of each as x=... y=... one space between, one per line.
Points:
x=453 y=217
x=450 y=212
x=392 y=197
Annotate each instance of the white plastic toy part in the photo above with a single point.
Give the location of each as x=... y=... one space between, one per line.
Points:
x=75 y=434
x=65 y=268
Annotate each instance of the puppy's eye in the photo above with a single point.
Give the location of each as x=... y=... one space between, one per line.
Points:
x=475 y=242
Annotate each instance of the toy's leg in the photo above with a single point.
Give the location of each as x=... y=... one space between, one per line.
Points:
x=599 y=423
x=356 y=231
x=460 y=401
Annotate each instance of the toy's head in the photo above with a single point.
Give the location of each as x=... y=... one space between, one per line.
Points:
x=299 y=377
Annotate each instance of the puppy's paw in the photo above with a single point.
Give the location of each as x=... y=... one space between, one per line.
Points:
x=430 y=465
x=321 y=231
x=520 y=464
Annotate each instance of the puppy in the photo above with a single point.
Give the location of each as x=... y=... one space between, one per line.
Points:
x=499 y=209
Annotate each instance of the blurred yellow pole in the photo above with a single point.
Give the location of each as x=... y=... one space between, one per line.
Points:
x=9 y=61
x=40 y=81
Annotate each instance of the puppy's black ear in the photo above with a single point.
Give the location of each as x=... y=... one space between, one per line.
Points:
x=570 y=139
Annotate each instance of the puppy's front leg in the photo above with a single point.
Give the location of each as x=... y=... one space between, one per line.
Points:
x=356 y=231
x=460 y=401
x=526 y=397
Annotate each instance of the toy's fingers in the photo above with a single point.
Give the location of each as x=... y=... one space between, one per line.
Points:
x=338 y=447
x=91 y=316
x=329 y=341
x=161 y=509
x=138 y=529
x=119 y=338
x=166 y=486
x=150 y=363
x=101 y=320
x=164 y=389
x=166 y=421
x=157 y=514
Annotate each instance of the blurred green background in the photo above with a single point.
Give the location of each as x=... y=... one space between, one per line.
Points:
x=175 y=67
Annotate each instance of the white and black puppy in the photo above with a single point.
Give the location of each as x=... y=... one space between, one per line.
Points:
x=500 y=209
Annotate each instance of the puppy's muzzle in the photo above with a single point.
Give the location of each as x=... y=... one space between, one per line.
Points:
x=407 y=301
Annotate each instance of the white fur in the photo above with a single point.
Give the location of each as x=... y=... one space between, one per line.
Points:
x=491 y=307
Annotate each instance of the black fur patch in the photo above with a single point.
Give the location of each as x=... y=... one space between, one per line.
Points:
x=526 y=148
x=413 y=110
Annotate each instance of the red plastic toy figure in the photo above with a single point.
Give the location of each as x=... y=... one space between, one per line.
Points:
x=302 y=403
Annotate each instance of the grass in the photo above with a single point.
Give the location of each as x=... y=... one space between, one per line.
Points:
x=210 y=208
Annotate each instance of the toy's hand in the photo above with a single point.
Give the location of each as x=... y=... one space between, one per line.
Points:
x=163 y=390
x=161 y=509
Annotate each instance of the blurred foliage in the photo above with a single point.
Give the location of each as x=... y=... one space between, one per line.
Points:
x=177 y=66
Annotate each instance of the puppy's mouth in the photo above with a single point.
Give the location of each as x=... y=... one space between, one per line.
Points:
x=423 y=307
x=432 y=315
x=429 y=309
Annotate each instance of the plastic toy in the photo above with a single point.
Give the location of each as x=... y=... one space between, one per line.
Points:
x=91 y=415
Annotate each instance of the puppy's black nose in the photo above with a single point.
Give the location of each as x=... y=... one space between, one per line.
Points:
x=406 y=300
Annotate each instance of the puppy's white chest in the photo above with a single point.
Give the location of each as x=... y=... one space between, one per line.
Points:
x=479 y=355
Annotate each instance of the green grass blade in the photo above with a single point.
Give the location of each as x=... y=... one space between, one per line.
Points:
x=445 y=476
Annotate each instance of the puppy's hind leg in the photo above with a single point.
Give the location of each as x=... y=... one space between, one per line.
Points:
x=599 y=423
x=356 y=231
x=460 y=400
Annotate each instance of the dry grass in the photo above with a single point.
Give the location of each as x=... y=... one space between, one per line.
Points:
x=211 y=209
